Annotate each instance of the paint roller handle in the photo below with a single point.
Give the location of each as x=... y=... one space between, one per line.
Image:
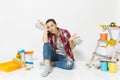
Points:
x=77 y=41
x=42 y=24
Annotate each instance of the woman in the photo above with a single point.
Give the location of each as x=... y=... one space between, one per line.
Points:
x=57 y=47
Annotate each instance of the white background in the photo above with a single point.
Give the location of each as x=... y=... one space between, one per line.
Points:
x=18 y=18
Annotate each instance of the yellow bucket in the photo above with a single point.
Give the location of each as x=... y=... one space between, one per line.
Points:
x=112 y=67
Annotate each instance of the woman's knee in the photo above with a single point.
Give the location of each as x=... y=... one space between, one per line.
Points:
x=47 y=47
x=48 y=51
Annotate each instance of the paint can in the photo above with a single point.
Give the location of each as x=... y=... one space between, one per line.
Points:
x=103 y=36
x=29 y=57
x=112 y=67
x=104 y=65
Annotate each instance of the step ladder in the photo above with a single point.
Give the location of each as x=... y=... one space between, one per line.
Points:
x=114 y=54
x=99 y=56
x=117 y=47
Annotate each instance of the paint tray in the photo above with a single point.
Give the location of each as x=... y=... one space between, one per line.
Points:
x=9 y=66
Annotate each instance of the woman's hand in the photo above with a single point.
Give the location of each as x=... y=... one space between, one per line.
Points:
x=73 y=37
x=72 y=45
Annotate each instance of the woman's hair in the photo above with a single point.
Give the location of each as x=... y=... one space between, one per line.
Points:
x=51 y=20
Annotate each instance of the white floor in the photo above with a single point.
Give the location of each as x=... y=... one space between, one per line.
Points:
x=80 y=72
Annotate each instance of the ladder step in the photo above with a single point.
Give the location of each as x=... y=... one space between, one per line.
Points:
x=102 y=40
x=104 y=56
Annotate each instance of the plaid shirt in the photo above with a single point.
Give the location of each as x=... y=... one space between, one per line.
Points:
x=64 y=35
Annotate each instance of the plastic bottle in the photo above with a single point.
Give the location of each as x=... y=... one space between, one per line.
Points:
x=22 y=52
x=18 y=56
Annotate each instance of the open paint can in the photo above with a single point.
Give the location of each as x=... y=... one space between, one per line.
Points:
x=103 y=36
x=29 y=57
x=112 y=67
x=104 y=65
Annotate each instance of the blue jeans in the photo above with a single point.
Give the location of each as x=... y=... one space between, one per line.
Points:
x=60 y=61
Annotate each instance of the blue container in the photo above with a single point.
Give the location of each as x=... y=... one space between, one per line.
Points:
x=22 y=51
x=104 y=65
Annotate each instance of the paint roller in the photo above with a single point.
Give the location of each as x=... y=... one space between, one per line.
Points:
x=39 y=25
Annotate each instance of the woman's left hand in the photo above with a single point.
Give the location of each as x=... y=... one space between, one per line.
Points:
x=73 y=37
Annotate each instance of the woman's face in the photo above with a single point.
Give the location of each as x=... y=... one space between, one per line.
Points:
x=52 y=28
